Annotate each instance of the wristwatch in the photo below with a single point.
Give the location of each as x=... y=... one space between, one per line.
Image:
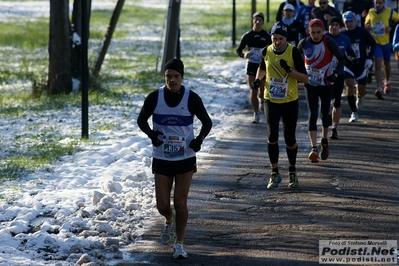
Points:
x=289 y=70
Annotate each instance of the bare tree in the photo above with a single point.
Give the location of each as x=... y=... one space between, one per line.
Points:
x=59 y=80
x=108 y=37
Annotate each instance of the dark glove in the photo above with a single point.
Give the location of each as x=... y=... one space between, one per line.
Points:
x=285 y=66
x=195 y=144
x=354 y=61
x=332 y=77
x=255 y=84
x=154 y=138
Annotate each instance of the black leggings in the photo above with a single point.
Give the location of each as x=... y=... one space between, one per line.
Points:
x=289 y=114
x=338 y=89
x=312 y=96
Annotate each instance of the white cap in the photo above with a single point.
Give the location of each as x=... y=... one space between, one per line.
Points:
x=289 y=7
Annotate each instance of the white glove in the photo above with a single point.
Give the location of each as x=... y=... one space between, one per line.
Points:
x=368 y=63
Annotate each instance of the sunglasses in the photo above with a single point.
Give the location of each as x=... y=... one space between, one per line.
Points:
x=323 y=3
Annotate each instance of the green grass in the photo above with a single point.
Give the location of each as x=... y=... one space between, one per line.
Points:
x=24 y=34
x=131 y=67
x=19 y=164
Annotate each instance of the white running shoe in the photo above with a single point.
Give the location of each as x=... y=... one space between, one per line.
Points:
x=359 y=102
x=354 y=117
x=168 y=231
x=256 y=118
x=178 y=251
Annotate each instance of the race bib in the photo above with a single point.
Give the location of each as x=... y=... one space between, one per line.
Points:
x=355 y=48
x=278 y=88
x=334 y=62
x=316 y=77
x=174 y=147
x=255 y=55
x=379 y=28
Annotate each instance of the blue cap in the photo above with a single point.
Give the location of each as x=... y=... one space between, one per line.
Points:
x=279 y=28
x=348 y=16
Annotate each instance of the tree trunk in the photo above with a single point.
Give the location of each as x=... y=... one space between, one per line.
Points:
x=59 y=48
x=76 y=53
x=108 y=37
x=77 y=15
x=172 y=32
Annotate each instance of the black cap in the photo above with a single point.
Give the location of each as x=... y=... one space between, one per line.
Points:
x=259 y=14
x=279 y=28
x=175 y=64
x=334 y=19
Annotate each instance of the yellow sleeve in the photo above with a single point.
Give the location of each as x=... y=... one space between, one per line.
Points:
x=395 y=16
x=367 y=19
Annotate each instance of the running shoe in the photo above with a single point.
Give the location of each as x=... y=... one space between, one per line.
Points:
x=178 y=251
x=256 y=118
x=334 y=134
x=168 y=230
x=314 y=155
x=359 y=102
x=274 y=180
x=387 y=88
x=378 y=94
x=293 y=183
x=324 y=151
x=354 y=117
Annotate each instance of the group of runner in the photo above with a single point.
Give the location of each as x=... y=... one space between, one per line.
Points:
x=318 y=54
x=335 y=50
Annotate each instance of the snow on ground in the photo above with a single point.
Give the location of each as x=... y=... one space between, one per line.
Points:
x=103 y=196
x=33 y=9
x=83 y=207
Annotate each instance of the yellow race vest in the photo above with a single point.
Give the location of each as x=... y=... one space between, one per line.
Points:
x=280 y=87
x=379 y=22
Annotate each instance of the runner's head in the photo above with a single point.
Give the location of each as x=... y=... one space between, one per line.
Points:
x=323 y=4
x=257 y=21
x=279 y=35
x=316 y=29
x=334 y=25
x=173 y=75
x=349 y=19
x=379 y=4
x=288 y=11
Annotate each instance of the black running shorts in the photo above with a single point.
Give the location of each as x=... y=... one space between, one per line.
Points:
x=172 y=168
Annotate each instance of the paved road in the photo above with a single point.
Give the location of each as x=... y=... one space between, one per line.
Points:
x=235 y=220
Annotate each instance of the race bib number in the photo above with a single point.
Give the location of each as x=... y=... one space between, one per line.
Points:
x=316 y=77
x=356 y=49
x=334 y=62
x=278 y=88
x=174 y=147
x=379 y=28
x=255 y=55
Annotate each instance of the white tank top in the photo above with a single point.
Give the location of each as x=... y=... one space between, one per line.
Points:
x=176 y=123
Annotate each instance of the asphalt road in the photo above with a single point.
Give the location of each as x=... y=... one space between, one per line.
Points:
x=235 y=220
